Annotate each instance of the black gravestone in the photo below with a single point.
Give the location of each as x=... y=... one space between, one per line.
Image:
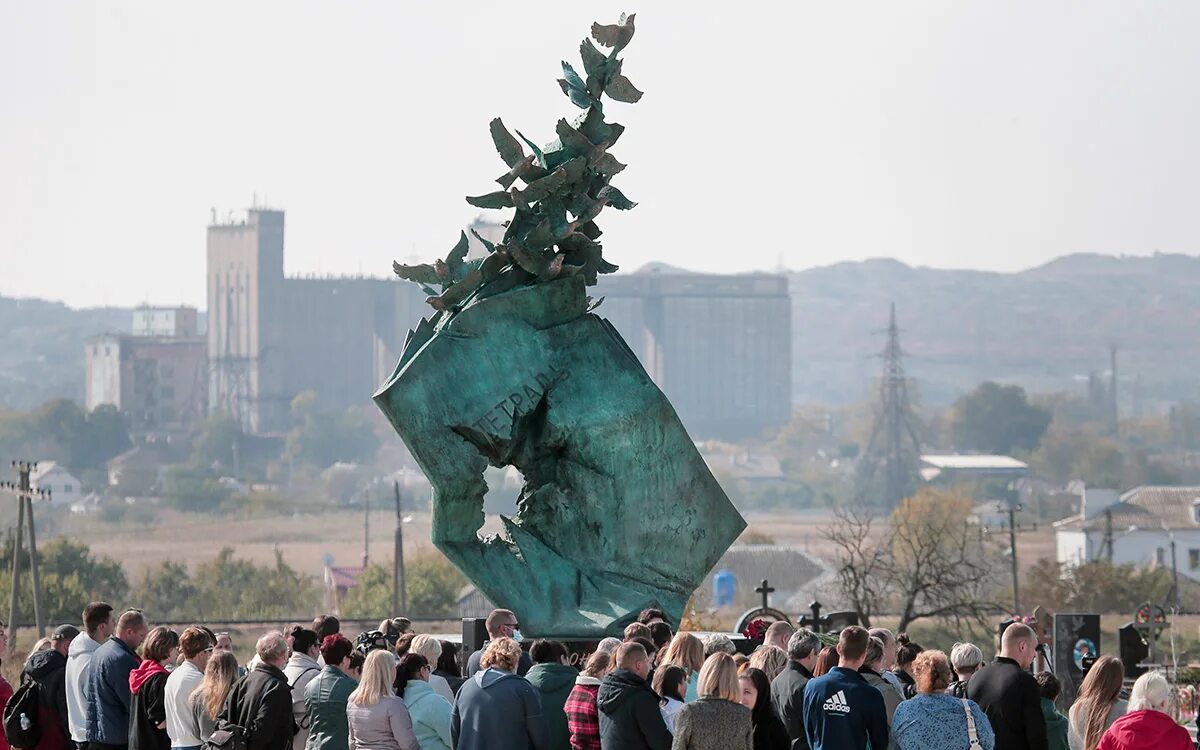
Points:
x=1075 y=636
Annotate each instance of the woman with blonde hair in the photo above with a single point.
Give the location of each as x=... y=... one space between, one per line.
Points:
x=1150 y=721
x=717 y=720
x=496 y=708
x=377 y=717
x=43 y=644
x=431 y=649
x=208 y=699
x=686 y=651
x=1098 y=704
x=965 y=660
x=933 y=720
x=770 y=659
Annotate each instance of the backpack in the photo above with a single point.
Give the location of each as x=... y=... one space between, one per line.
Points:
x=227 y=737
x=21 y=716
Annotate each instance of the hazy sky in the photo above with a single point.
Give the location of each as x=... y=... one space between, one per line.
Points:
x=960 y=134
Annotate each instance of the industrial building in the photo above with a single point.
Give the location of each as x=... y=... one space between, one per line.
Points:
x=157 y=376
x=718 y=346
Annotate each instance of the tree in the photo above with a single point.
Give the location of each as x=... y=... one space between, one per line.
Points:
x=322 y=437
x=864 y=561
x=432 y=586
x=71 y=576
x=216 y=445
x=996 y=418
x=232 y=588
x=60 y=430
x=372 y=597
x=193 y=490
x=926 y=561
x=1095 y=586
x=104 y=434
x=1077 y=453
x=169 y=592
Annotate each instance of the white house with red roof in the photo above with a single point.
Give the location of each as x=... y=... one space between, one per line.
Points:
x=1139 y=528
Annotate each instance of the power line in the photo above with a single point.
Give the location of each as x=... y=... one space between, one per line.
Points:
x=888 y=468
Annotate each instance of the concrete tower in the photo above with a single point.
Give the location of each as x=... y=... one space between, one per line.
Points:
x=245 y=283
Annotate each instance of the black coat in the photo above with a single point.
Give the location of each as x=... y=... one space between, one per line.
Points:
x=261 y=703
x=910 y=685
x=770 y=734
x=148 y=709
x=630 y=718
x=787 y=697
x=1009 y=696
x=49 y=669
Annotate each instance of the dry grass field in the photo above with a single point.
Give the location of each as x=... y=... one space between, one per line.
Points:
x=305 y=538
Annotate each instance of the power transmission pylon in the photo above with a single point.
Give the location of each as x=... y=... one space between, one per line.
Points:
x=887 y=471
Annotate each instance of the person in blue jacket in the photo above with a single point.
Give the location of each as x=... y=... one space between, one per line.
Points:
x=107 y=693
x=842 y=711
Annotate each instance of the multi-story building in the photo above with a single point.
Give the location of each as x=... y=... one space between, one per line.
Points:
x=176 y=322
x=272 y=337
x=159 y=382
x=719 y=346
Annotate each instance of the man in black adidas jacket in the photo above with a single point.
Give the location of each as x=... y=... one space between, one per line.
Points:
x=841 y=711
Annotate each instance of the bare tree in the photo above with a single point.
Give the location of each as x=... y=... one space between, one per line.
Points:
x=927 y=560
x=864 y=564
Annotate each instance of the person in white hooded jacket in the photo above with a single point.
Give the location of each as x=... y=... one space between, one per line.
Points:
x=98 y=626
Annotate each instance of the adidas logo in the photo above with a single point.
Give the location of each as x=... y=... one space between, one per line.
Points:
x=837 y=702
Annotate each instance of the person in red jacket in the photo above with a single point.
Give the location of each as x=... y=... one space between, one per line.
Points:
x=6 y=689
x=1148 y=722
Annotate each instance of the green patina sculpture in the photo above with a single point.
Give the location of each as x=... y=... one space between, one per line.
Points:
x=619 y=511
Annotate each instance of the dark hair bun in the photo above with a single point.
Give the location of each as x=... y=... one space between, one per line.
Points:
x=902 y=639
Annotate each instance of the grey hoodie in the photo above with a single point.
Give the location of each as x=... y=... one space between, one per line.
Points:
x=498 y=709
x=79 y=663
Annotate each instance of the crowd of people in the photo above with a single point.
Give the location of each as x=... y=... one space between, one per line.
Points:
x=121 y=685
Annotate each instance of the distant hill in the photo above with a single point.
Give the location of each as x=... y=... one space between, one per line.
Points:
x=1045 y=328
x=41 y=348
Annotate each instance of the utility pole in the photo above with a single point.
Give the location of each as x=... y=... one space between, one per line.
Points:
x=1012 y=509
x=889 y=464
x=1174 y=577
x=1012 y=540
x=25 y=495
x=1108 y=535
x=399 y=591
